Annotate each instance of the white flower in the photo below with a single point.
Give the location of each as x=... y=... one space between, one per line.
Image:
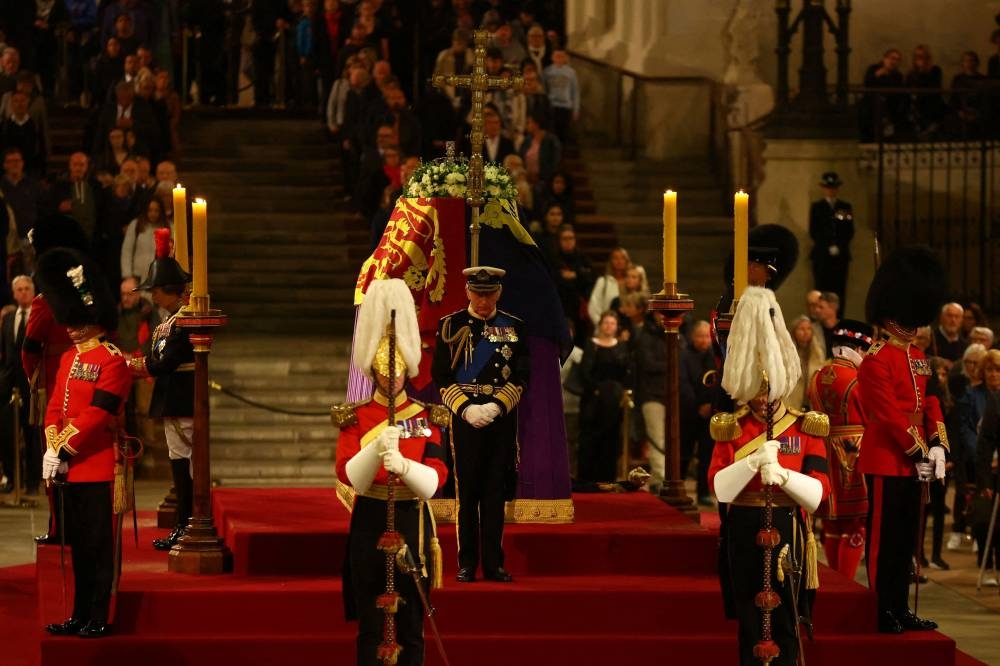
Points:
x=494 y=190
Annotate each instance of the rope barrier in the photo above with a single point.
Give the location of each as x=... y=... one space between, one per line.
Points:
x=259 y=405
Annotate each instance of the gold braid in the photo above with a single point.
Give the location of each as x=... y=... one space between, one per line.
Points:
x=459 y=343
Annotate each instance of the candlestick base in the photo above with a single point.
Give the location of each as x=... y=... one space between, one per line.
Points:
x=199 y=305
x=200 y=550
x=674 y=494
x=672 y=304
x=166 y=512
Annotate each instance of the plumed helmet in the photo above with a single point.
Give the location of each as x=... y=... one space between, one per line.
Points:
x=773 y=245
x=164 y=269
x=57 y=231
x=909 y=288
x=76 y=290
x=371 y=338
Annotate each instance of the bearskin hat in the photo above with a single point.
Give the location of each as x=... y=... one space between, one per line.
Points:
x=76 y=290
x=770 y=244
x=909 y=288
x=57 y=231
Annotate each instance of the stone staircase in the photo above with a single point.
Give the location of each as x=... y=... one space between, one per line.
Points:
x=629 y=198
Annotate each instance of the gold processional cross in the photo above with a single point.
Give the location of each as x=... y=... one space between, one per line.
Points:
x=478 y=82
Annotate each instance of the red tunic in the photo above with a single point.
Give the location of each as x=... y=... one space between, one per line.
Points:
x=415 y=442
x=44 y=341
x=92 y=385
x=902 y=420
x=800 y=452
x=833 y=391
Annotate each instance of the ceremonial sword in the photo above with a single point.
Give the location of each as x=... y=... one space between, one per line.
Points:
x=406 y=564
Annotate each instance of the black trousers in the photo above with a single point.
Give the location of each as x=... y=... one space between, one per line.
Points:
x=893 y=517
x=484 y=459
x=746 y=572
x=89 y=530
x=364 y=580
x=830 y=274
x=263 y=52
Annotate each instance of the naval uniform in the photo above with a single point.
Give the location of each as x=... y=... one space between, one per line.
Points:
x=903 y=422
x=91 y=386
x=476 y=362
x=364 y=566
x=802 y=450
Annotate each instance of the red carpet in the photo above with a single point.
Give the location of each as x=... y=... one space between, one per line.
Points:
x=631 y=577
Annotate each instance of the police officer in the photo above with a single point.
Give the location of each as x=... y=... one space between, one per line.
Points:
x=831 y=227
x=88 y=399
x=171 y=362
x=481 y=367
x=833 y=391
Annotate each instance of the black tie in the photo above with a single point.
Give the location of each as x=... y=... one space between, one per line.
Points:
x=21 y=327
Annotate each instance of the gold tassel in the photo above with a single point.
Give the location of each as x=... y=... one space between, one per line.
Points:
x=121 y=499
x=812 y=567
x=437 y=565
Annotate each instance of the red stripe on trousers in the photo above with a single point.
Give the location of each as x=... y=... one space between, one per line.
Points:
x=875 y=537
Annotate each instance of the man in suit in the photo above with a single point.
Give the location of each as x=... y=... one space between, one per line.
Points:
x=495 y=145
x=76 y=194
x=127 y=113
x=12 y=376
x=831 y=227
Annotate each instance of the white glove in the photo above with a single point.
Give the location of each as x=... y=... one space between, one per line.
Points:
x=936 y=458
x=765 y=453
x=477 y=416
x=388 y=439
x=362 y=467
x=492 y=410
x=834 y=250
x=925 y=470
x=395 y=462
x=52 y=465
x=773 y=474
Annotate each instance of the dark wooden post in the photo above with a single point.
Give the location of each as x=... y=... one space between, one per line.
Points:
x=784 y=49
x=200 y=550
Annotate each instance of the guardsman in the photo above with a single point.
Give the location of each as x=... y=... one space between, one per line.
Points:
x=761 y=369
x=833 y=391
x=171 y=363
x=87 y=400
x=45 y=341
x=905 y=439
x=367 y=450
x=481 y=367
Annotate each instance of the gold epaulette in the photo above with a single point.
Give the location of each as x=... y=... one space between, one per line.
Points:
x=439 y=414
x=816 y=424
x=724 y=427
x=874 y=349
x=112 y=349
x=343 y=415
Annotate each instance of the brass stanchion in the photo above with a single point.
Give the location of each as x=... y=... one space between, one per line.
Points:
x=200 y=550
x=673 y=307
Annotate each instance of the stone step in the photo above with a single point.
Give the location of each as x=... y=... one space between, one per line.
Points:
x=304 y=148
x=251 y=322
x=235 y=473
x=205 y=177
x=280 y=170
x=331 y=268
x=245 y=379
x=292 y=452
x=277 y=205
x=236 y=414
x=274 y=434
x=289 y=222
x=234 y=343
x=321 y=240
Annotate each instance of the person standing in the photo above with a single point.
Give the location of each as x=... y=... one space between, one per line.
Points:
x=369 y=448
x=81 y=420
x=765 y=443
x=832 y=391
x=12 y=376
x=905 y=438
x=481 y=367
x=171 y=363
x=831 y=227
x=697 y=395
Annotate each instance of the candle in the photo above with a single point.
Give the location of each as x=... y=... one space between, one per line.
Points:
x=181 y=227
x=670 y=237
x=741 y=215
x=199 y=236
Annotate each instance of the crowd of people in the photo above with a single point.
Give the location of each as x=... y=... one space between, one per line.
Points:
x=922 y=110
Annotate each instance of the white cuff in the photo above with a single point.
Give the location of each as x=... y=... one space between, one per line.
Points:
x=730 y=481
x=362 y=468
x=421 y=479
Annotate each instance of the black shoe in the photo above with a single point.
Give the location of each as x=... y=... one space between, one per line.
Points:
x=911 y=622
x=47 y=539
x=914 y=578
x=923 y=562
x=67 y=628
x=938 y=563
x=94 y=629
x=167 y=542
x=888 y=624
x=466 y=575
x=500 y=575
